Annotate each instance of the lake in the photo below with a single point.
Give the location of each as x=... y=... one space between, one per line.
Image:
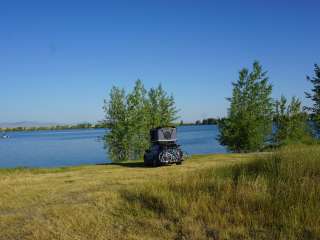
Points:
x=85 y=146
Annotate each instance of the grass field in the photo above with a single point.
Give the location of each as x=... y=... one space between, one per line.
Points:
x=231 y=196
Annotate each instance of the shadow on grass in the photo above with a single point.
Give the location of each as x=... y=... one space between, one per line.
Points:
x=126 y=164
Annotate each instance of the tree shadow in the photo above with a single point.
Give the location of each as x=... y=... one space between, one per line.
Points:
x=126 y=164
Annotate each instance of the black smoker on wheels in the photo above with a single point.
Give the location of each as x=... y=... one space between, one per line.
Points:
x=164 y=148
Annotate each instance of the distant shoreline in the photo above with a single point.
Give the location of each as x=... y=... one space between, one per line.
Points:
x=79 y=126
x=54 y=128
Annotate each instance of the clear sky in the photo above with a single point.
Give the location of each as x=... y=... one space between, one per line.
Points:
x=59 y=59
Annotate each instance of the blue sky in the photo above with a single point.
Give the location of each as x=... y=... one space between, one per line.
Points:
x=59 y=59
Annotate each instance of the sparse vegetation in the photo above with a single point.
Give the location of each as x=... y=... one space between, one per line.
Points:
x=231 y=196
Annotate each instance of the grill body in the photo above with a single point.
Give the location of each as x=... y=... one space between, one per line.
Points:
x=164 y=149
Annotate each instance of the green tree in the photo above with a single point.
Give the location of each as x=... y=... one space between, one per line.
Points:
x=138 y=121
x=161 y=107
x=212 y=121
x=290 y=122
x=131 y=116
x=204 y=121
x=249 y=120
x=315 y=97
x=117 y=141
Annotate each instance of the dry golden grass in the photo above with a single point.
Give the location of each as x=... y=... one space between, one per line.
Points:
x=275 y=196
x=231 y=196
x=83 y=202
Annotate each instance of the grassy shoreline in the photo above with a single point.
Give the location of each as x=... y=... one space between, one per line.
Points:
x=129 y=163
x=221 y=196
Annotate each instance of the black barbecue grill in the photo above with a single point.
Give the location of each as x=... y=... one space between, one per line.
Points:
x=164 y=148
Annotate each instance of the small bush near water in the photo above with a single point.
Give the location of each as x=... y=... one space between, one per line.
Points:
x=276 y=196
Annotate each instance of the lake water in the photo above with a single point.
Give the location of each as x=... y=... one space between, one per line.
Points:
x=76 y=147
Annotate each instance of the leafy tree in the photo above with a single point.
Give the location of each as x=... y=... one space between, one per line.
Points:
x=210 y=121
x=204 y=121
x=315 y=97
x=161 y=107
x=249 y=120
x=100 y=124
x=83 y=125
x=117 y=121
x=138 y=122
x=131 y=116
x=154 y=114
x=290 y=122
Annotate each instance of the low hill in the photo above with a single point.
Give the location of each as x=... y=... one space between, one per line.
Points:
x=26 y=124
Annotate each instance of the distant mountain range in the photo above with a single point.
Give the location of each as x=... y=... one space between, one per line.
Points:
x=27 y=124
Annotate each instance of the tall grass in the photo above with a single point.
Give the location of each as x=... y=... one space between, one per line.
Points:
x=276 y=196
x=231 y=196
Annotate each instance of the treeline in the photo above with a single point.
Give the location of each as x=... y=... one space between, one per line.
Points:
x=100 y=124
x=255 y=120
x=130 y=116
x=206 y=121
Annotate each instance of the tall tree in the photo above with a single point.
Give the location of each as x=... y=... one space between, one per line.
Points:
x=290 y=122
x=154 y=108
x=131 y=116
x=315 y=97
x=162 y=109
x=117 y=140
x=138 y=131
x=249 y=120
